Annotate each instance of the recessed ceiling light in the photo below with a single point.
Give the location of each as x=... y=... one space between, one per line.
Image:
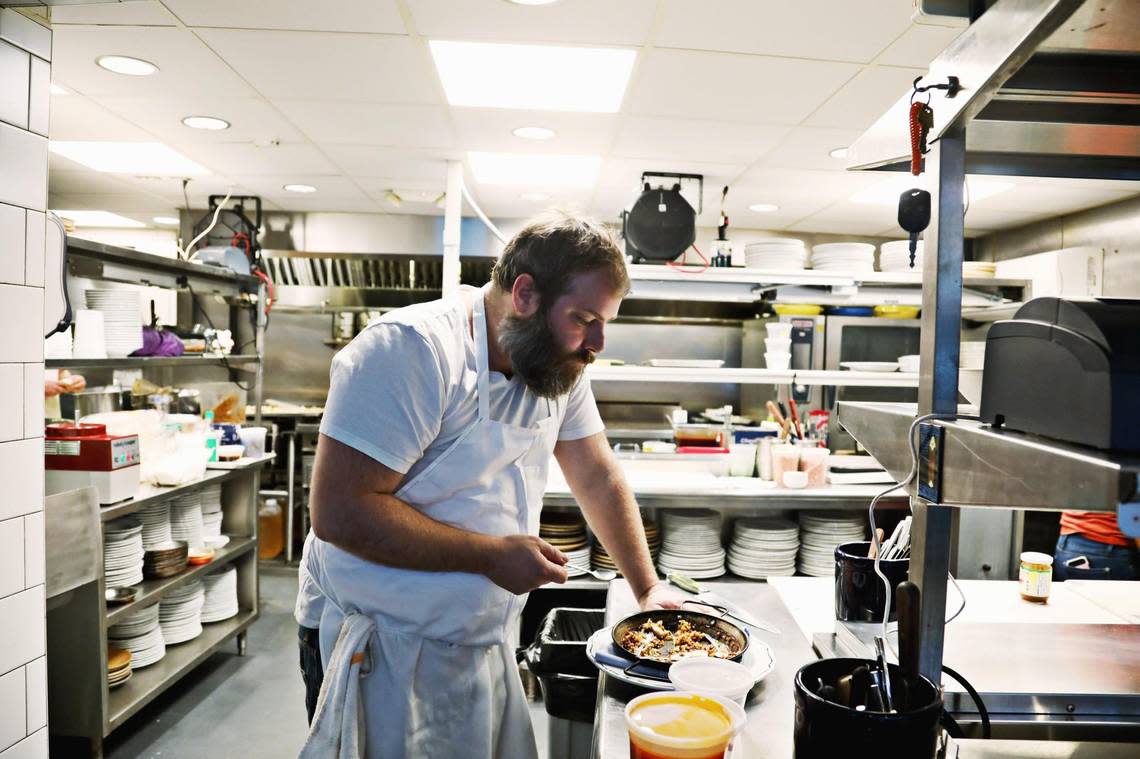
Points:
x=169 y=221
x=205 y=122
x=123 y=64
x=763 y=208
x=299 y=188
x=97 y=219
x=533 y=77
x=534 y=197
x=533 y=133
x=887 y=192
x=146 y=158
x=522 y=170
x=57 y=89
x=838 y=153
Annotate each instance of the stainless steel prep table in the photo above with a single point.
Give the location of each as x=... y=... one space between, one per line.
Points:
x=770 y=708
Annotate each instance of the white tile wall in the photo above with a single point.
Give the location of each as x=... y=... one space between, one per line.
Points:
x=25 y=76
x=13 y=717
x=11 y=556
x=13 y=228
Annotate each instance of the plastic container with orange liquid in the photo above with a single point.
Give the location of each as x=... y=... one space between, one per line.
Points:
x=677 y=725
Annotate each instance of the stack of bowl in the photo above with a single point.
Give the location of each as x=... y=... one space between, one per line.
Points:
x=165 y=559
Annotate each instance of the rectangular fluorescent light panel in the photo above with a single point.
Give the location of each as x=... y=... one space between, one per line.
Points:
x=533 y=77
x=152 y=159
x=534 y=170
x=887 y=192
x=97 y=219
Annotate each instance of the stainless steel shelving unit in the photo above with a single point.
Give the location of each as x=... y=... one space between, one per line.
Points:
x=148 y=362
x=1048 y=88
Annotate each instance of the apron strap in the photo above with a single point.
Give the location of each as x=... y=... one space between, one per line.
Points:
x=483 y=383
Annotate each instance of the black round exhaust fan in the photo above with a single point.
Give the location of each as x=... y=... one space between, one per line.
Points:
x=660 y=226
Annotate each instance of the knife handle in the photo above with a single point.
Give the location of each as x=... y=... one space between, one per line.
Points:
x=908 y=602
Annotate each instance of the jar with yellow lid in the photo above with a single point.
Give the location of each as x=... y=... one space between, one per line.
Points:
x=1035 y=578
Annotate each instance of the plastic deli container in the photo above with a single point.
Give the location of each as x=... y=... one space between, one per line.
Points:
x=713 y=677
x=675 y=725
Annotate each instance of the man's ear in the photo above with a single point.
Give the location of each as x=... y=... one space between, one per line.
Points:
x=525 y=298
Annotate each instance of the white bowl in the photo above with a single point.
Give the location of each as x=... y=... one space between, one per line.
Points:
x=795 y=480
x=909 y=364
x=780 y=361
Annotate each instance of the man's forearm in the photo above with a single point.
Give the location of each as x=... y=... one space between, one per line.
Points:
x=612 y=511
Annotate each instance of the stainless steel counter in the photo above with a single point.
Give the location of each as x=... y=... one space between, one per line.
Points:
x=770 y=707
x=978 y=749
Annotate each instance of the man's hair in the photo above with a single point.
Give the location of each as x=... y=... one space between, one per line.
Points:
x=556 y=247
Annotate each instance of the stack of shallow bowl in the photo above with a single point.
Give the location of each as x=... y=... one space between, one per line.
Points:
x=820 y=533
x=566 y=531
x=221 y=600
x=843 y=257
x=692 y=543
x=601 y=559
x=165 y=559
x=777 y=253
x=155 y=520
x=186 y=518
x=764 y=547
x=122 y=327
x=118 y=666
x=123 y=552
x=894 y=256
x=140 y=634
x=180 y=613
x=212 y=511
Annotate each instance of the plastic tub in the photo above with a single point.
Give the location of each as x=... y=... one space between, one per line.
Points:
x=779 y=330
x=714 y=677
x=673 y=725
x=813 y=462
x=795 y=480
x=779 y=361
x=742 y=459
x=778 y=344
x=785 y=458
x=858 y=590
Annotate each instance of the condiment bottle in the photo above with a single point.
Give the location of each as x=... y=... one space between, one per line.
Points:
x=1035 y=577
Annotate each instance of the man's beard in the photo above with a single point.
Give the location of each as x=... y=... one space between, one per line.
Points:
x=536 y=358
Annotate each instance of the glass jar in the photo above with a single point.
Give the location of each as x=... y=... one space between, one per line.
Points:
x=1035 y=577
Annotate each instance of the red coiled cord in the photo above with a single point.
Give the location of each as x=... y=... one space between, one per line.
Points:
x=915 y=139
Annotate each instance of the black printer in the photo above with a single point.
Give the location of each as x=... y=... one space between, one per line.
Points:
x=1069 y=369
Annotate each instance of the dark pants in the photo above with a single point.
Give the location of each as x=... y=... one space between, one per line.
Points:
x=1106 y=561
x=312 y=671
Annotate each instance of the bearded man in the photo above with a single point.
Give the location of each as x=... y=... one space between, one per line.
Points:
x=436 y=438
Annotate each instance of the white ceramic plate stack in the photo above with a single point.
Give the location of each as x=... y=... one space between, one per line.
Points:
x=186 y=518
x=972 y=355
x=979 y=269
x=895 y=256
x=123 y=552
x=775 y=253
x=212 y=510
x=180 y=613
x=155 y=520
x=820 y=533
x=122 y=327
x=221 y=600
x=764 y=547
x=140 y=634
x=691 y=544
x=843 y=256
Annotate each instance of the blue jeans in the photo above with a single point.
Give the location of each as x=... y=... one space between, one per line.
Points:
x=1106 y=561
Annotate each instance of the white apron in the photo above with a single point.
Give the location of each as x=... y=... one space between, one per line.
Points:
x=443 y=681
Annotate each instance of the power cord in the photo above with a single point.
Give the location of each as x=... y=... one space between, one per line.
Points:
x=982 y=711
x=205 y=313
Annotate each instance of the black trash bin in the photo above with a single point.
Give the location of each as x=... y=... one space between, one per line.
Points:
x=557 y=656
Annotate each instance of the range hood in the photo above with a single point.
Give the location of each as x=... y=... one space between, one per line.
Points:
x=1049 y=88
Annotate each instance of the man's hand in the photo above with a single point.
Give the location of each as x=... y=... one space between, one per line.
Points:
x=521 y=563
x=660 y=596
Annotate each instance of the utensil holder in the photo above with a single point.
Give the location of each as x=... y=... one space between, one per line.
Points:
x=858 y=590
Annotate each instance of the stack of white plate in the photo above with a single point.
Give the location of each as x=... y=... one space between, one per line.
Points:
x=820 y=533
x=775 y=253
x=843 y=256
x=972 y=355
x=155 y=520
x=123 y=552
x=979 y=269
x=221 y=601
x=186 y=518
x=764 y=547
x=691 y=544
x=140 y=634
x=212 y=525
x=122 y=327
x=180 y=613
x=211 y=498
x=895 y=256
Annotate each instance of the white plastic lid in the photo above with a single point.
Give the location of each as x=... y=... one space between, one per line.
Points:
x=720 y=677
x=1033 y=557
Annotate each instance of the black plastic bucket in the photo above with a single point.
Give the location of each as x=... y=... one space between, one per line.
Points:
x=858 y=590
x=825 y=730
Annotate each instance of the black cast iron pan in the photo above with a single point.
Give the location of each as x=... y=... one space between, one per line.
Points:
x=724 y=632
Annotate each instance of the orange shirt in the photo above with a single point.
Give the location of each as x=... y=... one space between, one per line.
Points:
x=1100 y=526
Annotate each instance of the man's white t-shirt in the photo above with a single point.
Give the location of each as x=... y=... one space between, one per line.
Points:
x=405 y=389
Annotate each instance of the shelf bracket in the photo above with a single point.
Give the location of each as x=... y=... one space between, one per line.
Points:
x=930 y=448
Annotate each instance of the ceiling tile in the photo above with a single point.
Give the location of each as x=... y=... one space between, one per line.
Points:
x=735 y=87
x=299 y=65
x=247 y=159
x=584 y=21
x=808 y=148
x=865 y=98
x=918 y=46
x=73 y=117
x=127 y=204
x=378 y=16
x=695 y=140
x=393 y=163
x=145 y=13
x=576 y=133
x=74 y=182
x=185 y=65
x=836 y=30
x=250 y=118
x=342 y=123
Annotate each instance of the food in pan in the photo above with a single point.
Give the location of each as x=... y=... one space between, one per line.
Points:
x=653 y=640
